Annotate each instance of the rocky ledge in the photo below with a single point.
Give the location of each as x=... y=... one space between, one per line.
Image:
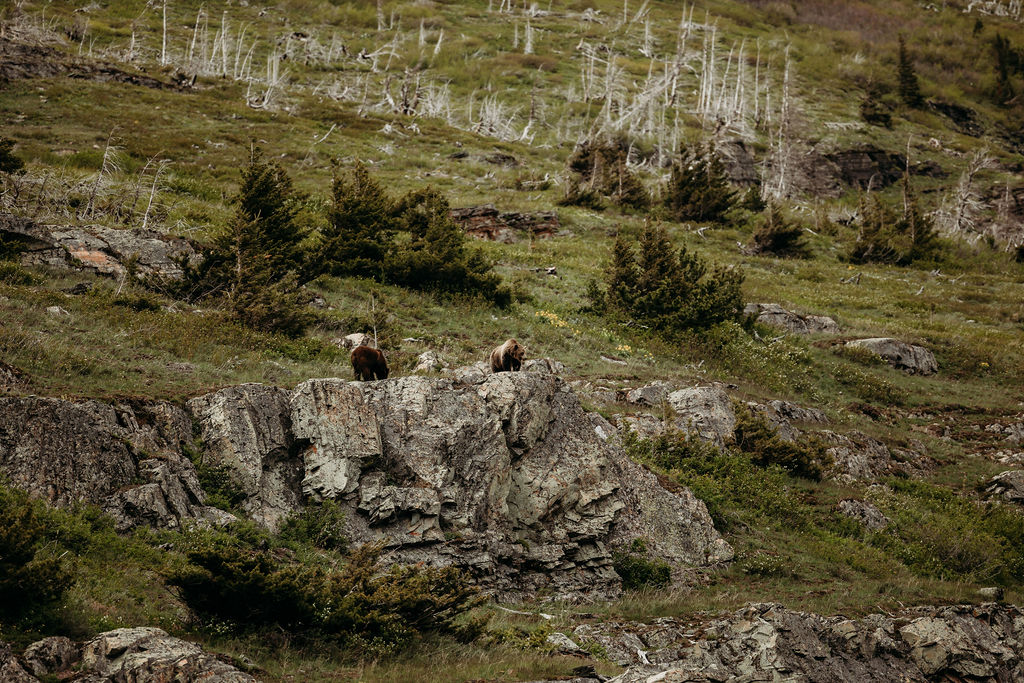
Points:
x=139 y=655
x=504 y=475
x=97 y=249
x=766 y=642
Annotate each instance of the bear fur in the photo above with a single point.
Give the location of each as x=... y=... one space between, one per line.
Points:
x=508 y=357
x=369 y=363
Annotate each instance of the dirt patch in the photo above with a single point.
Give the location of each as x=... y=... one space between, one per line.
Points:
x=20 y=61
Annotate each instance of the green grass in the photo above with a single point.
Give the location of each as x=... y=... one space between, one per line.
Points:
x=791 y=546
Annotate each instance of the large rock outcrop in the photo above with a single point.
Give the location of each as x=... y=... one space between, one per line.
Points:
x=766 y=642
x=503 y=474
x=102 y=250
x=138 y=655
x=126 y=459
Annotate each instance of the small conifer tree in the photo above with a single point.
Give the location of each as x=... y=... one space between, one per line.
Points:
x=667 y=289
x=698 y=189
x=886 y=236
x=9 y=163
x=256 y=261
x=360 y=227
x=778 y=235
x=435 y=255
x=874 y=109
x=601 y=171
x=622 y=276
x=909 y=88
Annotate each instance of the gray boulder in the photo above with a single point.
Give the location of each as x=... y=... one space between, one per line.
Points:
x=900 y=355
x=643 y=425
x=704 y=412
x=865 y=513
x=653 y=394
x=1007 y=485
x=782 y=414
x=547 y=365
x=11 y=670
x=777 y=316
x=51 y=656
x=1014 y=432
x=149 y=655
x=429 y=361
x=247 y=429
x=355 y=339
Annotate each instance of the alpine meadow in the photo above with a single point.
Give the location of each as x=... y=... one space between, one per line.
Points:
x=486 y=340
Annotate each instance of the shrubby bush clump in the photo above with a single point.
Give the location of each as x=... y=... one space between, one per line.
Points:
x=362 y=603
x=725 y=480
x=639 y=572
x=939 y=533
x=321 y=525
x=34 y=574
x=758 y=439
x=433 y=255
x=666 y=289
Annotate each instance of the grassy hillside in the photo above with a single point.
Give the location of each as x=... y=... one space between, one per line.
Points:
x=487 y=101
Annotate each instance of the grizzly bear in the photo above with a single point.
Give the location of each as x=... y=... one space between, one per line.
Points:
x=369 y=363
x=508 y=357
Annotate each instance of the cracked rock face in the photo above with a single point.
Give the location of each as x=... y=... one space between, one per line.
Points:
x=247 y=429
x=858 y=457
x=865 y=513
x=1008 y=485
x=125 y=459
x=765 y=642
x=503 y=474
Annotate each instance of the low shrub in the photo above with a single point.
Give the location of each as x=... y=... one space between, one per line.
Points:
x=639 y=572
x=755 y=437
x=731 y=486
x=318 y=524
x=363 y=604
x=939 y=533
x=12 y=273
x=34 y=574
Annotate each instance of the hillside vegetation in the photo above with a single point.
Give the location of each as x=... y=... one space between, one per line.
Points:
x=861 y=160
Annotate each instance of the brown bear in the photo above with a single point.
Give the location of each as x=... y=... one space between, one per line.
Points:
x=508 y=357
x=369 y=363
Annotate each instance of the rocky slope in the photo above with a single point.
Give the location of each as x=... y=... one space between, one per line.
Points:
x=506 y=475
x=140 y=655
x=766 y=642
